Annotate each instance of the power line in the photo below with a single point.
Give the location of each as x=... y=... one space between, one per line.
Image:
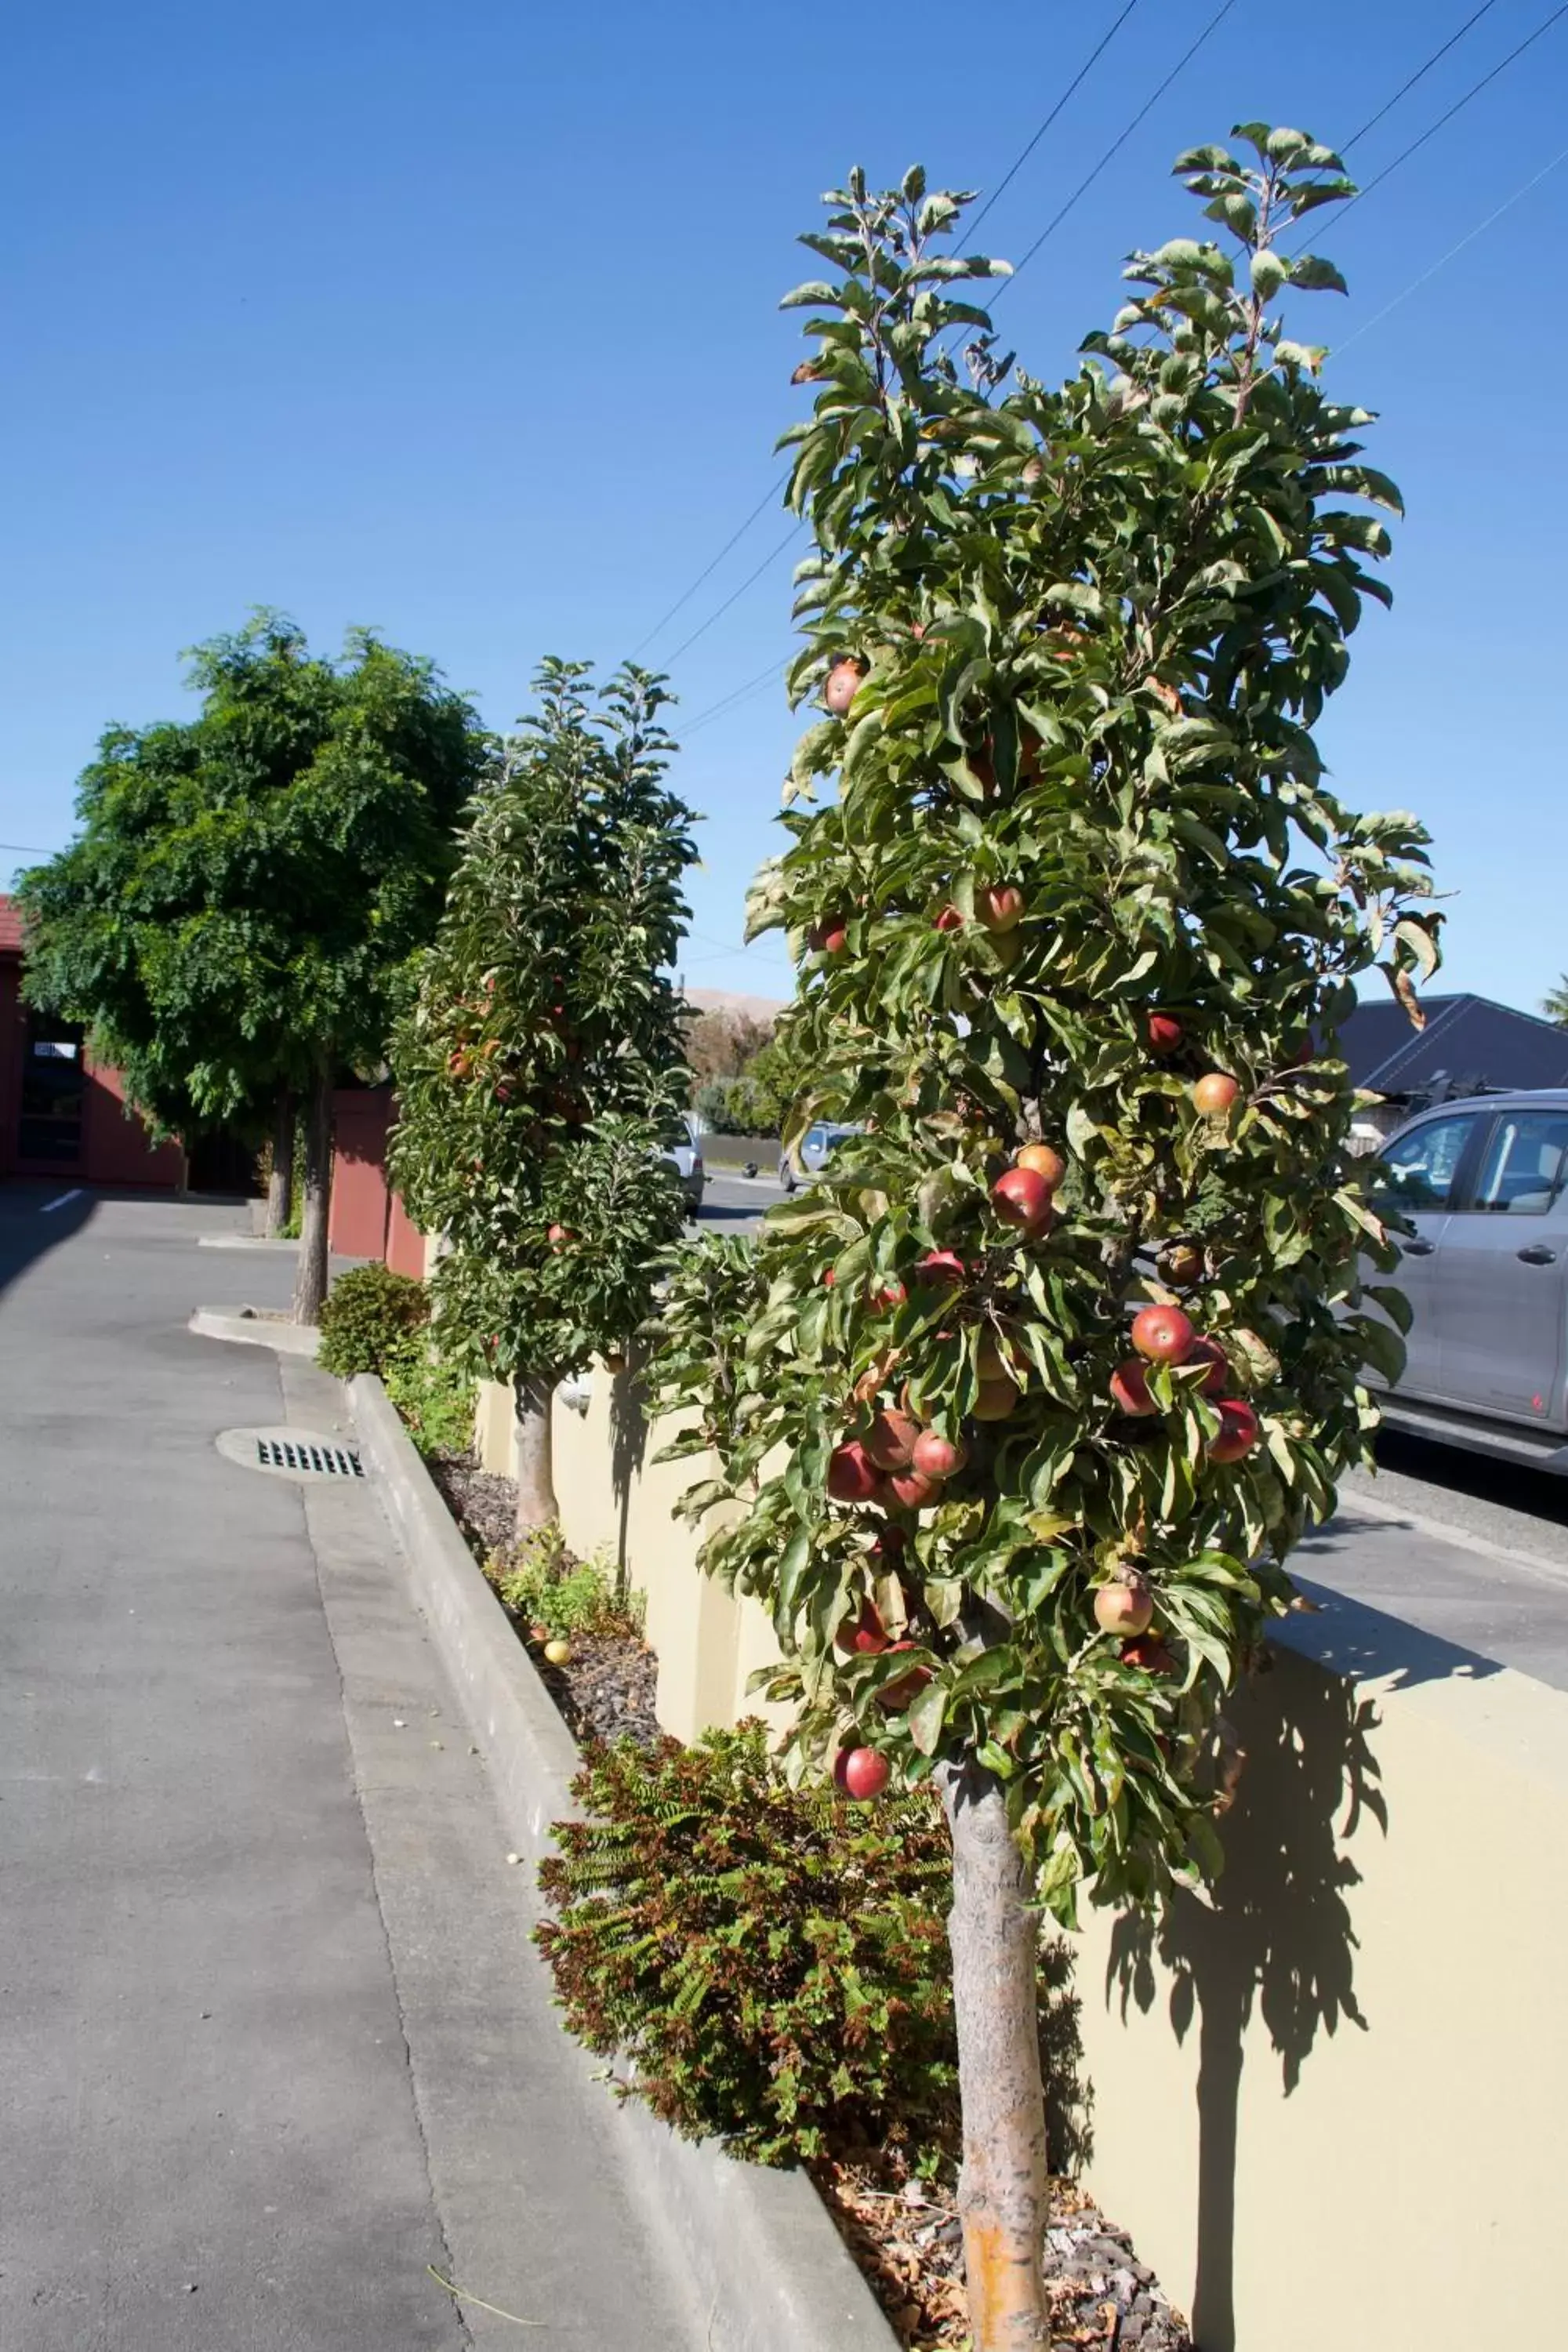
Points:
x=768 y=494
x=1419 y=75
x=687 y=594
x=1119 y=141
x=726 y=702
x=719 y=610
x=1442 y=262
x=1016 y=165
x=1447 y=116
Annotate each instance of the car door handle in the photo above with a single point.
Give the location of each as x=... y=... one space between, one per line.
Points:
x=1419 y=1247
x=1538 y=1254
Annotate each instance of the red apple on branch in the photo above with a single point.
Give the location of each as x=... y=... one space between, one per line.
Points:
x=1214 y=1094
x=897 y=1694
x=852 y=1476
x=935 y=1456
x=1130 y=1389
x=1163 y=1032
x=995 y=1399
x=1238 y=1431
x=891 y=1439
x=843 y=681
x=1123 y=1608
x=1163 y=1334
x=912 y=1490
x=1216 y=1380
x=862 y=1772
x=1043 y=1161
x=864 y=1635
x=1022 y=1197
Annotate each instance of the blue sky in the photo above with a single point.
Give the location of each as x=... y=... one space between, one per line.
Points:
x=461 y=323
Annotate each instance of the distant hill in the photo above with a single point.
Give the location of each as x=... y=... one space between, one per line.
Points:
x=721 y=999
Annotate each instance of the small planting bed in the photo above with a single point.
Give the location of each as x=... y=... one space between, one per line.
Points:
x=605 y=1688
x=906 y=2236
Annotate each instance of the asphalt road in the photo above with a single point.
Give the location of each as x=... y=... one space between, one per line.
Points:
x=738 y=1202
x=273 y=2043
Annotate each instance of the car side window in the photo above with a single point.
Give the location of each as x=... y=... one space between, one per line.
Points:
x=1525 y=1165
x=1421 y=1166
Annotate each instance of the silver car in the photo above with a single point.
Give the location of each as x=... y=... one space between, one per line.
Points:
x=812 y=1153
x=1484 y=1185
x=686 y=1159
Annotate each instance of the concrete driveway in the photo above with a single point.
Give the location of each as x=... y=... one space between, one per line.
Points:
x=272 y=2040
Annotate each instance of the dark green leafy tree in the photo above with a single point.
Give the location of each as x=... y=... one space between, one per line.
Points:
x=542 y=1072
x=235 y=919
x=1555 y=1003
x=1028 y=1402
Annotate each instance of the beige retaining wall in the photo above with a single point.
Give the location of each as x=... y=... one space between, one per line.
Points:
x=1330 y=2104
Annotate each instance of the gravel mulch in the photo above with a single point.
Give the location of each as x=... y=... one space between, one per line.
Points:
x=483 y=1503
x=909 y=2241
x=606 y=1691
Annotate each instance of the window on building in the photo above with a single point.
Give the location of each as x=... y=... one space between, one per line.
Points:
x=54 y=1092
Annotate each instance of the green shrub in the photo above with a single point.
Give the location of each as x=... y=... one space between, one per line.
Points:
x=543 y=1583
x=773 y=1961
x=434 y=1398
x=369 y=1314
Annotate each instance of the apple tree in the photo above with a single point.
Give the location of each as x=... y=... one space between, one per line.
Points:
x=1027 y=1402
x=542 y=1071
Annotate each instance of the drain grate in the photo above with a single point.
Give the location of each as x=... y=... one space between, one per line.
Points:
x=306 y=1456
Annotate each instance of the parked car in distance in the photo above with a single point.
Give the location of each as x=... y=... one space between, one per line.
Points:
x=686 y=1159
x=1483 y=1183
x=811 y=1153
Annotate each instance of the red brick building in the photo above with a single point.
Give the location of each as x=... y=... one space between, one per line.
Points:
x=61 y=1113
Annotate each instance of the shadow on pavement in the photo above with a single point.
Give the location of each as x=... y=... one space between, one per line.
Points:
x=1275 y=1933
x=1516 y=1486
x=30 y=1227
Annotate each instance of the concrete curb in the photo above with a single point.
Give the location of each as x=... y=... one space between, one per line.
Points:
x=243 y=1241
x=771 y=2271
x=251 y=1329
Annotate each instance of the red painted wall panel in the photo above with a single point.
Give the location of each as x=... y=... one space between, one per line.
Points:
x=405 y=1242
x=357 y=1224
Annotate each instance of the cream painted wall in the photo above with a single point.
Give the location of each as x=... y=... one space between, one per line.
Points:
x=1334 y=2108
x=616 y=1498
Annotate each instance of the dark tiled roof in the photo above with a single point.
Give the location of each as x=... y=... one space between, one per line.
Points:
x=10 y=928
x=1465 y=1037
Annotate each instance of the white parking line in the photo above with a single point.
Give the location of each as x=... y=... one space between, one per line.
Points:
x=74 y=1194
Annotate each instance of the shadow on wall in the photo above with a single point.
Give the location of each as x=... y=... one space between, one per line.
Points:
x=628 y=1445
x=1070 y=2097
x=1275 y=1933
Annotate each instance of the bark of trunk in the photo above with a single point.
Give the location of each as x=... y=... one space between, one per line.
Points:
x=536 y=1504
x=280 y=1183
x=1002 y=2189
x=311 y=1280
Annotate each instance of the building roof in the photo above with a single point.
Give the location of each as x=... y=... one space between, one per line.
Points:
x=1467 y=1040
x=10 y=928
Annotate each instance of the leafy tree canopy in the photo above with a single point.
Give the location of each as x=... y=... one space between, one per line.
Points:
x=1078 y=883
x=240 y=908
x=541 y=1070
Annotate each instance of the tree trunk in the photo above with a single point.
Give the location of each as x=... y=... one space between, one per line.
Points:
x=280 y=1183
x=1003 y=2191
x=311 y=1281
x=536 y=1504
